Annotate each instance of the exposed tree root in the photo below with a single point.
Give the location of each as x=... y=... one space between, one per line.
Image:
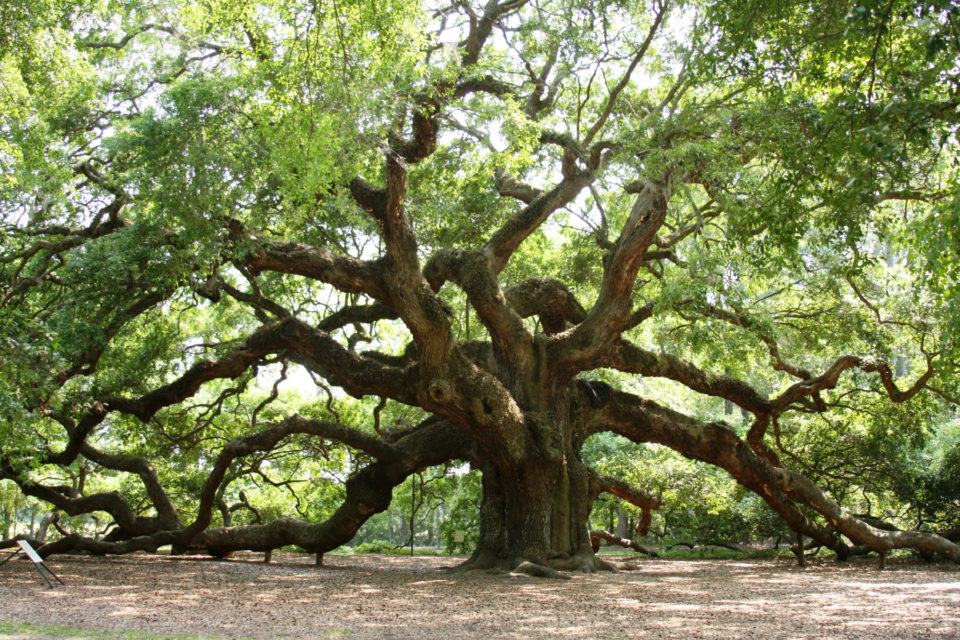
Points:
x=539 y=571
x=481 y=560
x=582 y=562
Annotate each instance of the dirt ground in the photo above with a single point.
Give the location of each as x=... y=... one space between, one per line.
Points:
x=402 y=597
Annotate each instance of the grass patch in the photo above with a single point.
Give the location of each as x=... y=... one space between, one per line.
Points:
x=723 y=554
x=683 y=553
x=376 y=546
x=71 y=633
x=388 y=548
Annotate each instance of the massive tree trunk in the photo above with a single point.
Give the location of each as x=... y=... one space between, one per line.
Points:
x=536 y=506
x=537 y=513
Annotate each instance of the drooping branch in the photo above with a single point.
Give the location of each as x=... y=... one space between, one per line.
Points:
x=318 y=350
x=65 y=499
x=630 y=358
x=628 y=492
x=625 y=491
x=597 y=535
x=167 y=517
x=803 y=490
x=368 y=492
x=645 y=421
x=267 y=439
x=76 y=542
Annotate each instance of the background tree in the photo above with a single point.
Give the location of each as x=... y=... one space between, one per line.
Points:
x=468 y=217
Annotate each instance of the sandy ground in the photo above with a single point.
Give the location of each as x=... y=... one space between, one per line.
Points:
x=403 y=597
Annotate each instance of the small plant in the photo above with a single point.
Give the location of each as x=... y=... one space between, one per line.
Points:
x=376 y=546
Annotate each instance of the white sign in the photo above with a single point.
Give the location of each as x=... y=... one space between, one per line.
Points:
x=37 y=562
x=459 y=536
x=31 y=553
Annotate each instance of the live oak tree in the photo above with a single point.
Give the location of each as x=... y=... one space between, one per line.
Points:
x=469 y=215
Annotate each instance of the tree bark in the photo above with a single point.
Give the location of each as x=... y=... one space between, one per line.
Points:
x=535 y=507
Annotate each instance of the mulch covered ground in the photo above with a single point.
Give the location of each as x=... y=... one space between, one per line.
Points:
x=402 y=597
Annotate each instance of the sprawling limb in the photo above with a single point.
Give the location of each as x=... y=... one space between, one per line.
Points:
x=614 y=486
x=167 y=517
x=355 y=373
x=476 y=272
x=550 y=300
x=344 y=272
x=471 y=272
x=828 y=380
x=368 y=492
x=356 y=313
x=645 y=421
x=630 y=358
x=515 y=230
x=601 y=534
x=66 y=500
x=510 y=187
x=267 y=439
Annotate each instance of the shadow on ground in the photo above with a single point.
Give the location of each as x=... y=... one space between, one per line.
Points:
x=404 y=597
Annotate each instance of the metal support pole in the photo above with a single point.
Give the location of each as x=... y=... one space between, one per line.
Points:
x=413 y=507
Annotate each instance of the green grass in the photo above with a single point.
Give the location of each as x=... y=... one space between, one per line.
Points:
x=386 y=548
x=682 y=553
x=71 y=633
x=723 y=554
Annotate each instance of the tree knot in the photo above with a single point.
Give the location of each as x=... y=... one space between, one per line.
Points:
x=439 y=390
